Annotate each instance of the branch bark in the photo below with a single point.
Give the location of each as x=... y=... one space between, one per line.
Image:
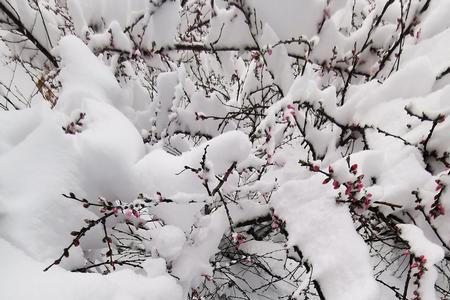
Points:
x=26 y=32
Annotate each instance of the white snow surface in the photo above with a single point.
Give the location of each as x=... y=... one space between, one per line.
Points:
x=56 y=284
x=325 y=234
x=421 y=246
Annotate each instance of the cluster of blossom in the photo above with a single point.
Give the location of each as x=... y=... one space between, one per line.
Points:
x=358 y=198
x=75 y=127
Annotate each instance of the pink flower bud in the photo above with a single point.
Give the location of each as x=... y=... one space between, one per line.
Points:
x=336 y=184
x=238 y=239
x=359 y=186
x=348 y=191
x=366 y=202
x=440 y=208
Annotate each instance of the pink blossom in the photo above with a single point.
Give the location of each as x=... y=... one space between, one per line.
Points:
x=330 y=169
x=336 y=184
x=366 y=202
x=238 y=239
x=326 y=180
x=359 y=186
x=422 y=259
x=440 y=209
x=128 y=214
x=348 y=190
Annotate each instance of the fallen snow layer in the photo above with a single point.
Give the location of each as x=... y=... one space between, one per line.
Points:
x=325 y=234
x=420 y=246
x=105 y=158
x=23 y=278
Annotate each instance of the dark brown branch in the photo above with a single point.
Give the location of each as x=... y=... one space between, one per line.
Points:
x=22 y=29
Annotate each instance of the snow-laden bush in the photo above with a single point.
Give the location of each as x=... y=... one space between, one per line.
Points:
x=239 y=149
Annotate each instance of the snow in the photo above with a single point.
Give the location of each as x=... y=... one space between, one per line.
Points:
x=193 y=262
x=166 y=83
x=413 y=80
x=164 y=23
x=34 y=284
x=401 y=174
x=324 y=233
x=241 y=149
x=85 y=76
x=162 y=170
x=108 y=149
x=420 y=245
x=277 y=59
x=169 y=241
